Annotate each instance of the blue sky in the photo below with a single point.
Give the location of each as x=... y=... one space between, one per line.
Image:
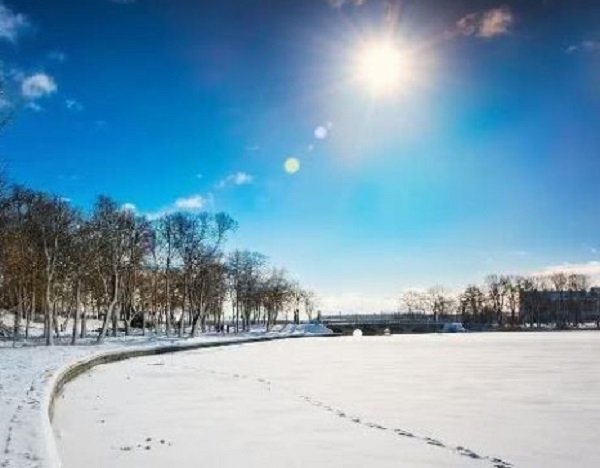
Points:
x=484 y=158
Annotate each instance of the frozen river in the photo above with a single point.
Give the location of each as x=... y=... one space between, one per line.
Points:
x=523 y=400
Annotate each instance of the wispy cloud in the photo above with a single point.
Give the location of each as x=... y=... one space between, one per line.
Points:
x=11 y=24
x=73 y=105
x=238 y=178
x=252 y=148
x=487 y=24
x=341 y=3
x=591 y=268
x=584 y=46
x=519 y=253
x=129 y=207
x=192 y=203
x=38 y=85
x=57 y=56
x=34 y=106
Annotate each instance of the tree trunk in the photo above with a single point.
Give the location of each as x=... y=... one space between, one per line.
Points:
x=17 y=317
x=76 y=318
x=182 y=316
x=167 y=305
x=83 y=331
x=55 y=321
x=195 y=321
x=29 y=314
x=111 y=308
x=49 y=316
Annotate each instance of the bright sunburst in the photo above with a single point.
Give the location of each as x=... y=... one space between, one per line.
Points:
x=380 y=66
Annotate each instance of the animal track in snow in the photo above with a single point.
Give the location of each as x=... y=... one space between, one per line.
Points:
x=495 y=462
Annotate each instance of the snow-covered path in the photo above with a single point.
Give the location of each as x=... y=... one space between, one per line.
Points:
x=27 y=375
x=489 y=400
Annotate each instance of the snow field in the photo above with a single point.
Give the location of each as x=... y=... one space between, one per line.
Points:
x=501 y=400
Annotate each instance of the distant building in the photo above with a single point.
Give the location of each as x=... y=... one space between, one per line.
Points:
x=561 y=307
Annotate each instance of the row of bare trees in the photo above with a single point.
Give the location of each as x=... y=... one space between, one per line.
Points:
x=560 y=299
x=111 y=271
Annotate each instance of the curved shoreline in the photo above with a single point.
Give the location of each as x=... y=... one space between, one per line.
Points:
x=33 y=433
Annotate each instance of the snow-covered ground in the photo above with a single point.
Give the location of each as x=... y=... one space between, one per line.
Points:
x=523 y=400
x=27 y=374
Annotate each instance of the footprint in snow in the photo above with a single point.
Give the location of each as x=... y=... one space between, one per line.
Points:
x=434 y=442
x=467 y=453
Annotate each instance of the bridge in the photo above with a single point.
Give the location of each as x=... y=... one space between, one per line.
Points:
x=377 y=324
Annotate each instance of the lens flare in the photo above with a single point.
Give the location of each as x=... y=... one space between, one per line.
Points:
x=291 y=165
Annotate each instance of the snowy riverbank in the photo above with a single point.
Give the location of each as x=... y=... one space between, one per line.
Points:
x=28 y=376
x=498 y=400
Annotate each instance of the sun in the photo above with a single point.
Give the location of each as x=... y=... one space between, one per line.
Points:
x=380 y=66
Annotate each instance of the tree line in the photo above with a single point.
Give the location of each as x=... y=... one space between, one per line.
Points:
x=64 y=268
x=511 y=301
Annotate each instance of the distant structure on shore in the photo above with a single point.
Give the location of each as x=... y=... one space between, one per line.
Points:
x=560 y=307
x=534 y=309
x=378 y=324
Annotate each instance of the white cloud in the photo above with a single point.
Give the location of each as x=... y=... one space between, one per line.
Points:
x=496 y=22
x=73 y=105
x=584 y=46
x=11 y=24
x=491 y=23
x=191 y=203
x=242 y=178
x=238 y=178
x=591 y=268
x=128 y=207
x=38 y=85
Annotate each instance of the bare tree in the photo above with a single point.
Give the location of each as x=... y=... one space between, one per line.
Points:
x=113 y=226
x=471 y=304
x=414 y=301
x=512 y=289
x=246 y=271
x=439 y=302
x=309 y=302
x=51 y=224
